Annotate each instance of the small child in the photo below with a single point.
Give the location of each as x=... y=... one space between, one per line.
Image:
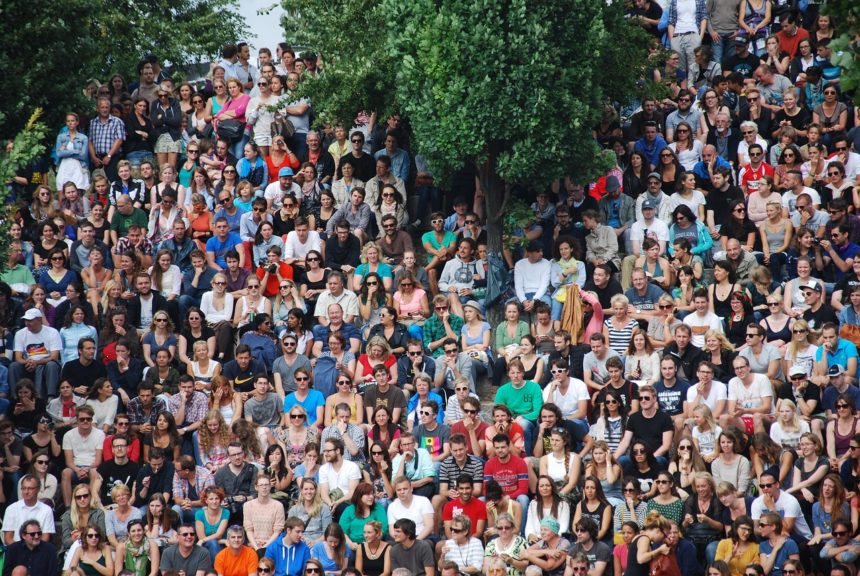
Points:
x=705 y=433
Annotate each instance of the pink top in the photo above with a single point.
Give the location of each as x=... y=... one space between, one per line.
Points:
x=414 y=305
x=620 y=552
x=238 y=107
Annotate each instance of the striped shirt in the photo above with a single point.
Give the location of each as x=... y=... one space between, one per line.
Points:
x=449 y=470
x=619 y=339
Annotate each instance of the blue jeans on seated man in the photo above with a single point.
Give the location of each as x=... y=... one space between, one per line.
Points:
x=213 y=547
x=529 y=431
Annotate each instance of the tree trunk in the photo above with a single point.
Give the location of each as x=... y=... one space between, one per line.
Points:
x=497 y=192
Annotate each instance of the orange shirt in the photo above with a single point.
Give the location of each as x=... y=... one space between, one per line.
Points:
x=241 y=564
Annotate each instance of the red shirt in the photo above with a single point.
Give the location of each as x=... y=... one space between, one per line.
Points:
x=272 y=284
x=749 y=177
x=512 y=476
x=789 y=43
x=474 y=509
x=459 y=428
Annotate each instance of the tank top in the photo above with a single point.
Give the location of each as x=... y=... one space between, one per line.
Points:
x=842 y=442
x=557 y=468
x=657 y=271
x=619 y=338
x=783 y=334
x=722 y=308
x=377 y=566
x=775 y=239
x=531 y=372
x=634 y=568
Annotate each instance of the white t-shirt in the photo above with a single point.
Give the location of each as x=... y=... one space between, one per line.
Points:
x=787 y=506
x=751 y=397
x=568 y=403
x=657 y=230
x=789 y=199
x=274 y=193
x=784 y=437
x=295 y=249
x=38 y=346
x=416 y=511
x=83 y=449
x=18 y=513
x=693 y=203
x=699 y=326
x=349 y=471
x=805 y=358
x=707 y=440
x=718 y=392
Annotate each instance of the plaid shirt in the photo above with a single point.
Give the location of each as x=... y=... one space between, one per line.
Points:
x=701 y=13
x=195 y=409
x=181 y=487
x=124 y=245
x=103 y=134
x=434 y=330
x=136 y=415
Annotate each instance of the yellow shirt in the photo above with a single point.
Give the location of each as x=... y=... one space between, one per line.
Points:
x=737 y=564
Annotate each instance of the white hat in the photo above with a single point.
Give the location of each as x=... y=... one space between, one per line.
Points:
x=32 y=314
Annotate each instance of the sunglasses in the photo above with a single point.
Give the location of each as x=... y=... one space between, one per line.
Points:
x=356 y=141
x=646 y=398
x=297 y=416
x=312 y=570
x=85 y=419
x=611 y=402
x=834 y=173
x=309 y=259
x=467 y=411
x=81 y=496
x=840 y=406
x=504 y=528
x=36 y=534
x=263 y=569
x=666 y=306
x=768 y=485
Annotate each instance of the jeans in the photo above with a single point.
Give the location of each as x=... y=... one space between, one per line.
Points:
x=723 y=48
x=427 y=195
x=46 y=377
x=299 y=144
x=137 y=158
x=684 y=45
x=185 y=516
x=213 y=547
x=529 y=430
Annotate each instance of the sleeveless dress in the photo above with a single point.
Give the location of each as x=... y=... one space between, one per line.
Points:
x=842 y=442
x=373 y=567
x=634 y=568
x=722 y=308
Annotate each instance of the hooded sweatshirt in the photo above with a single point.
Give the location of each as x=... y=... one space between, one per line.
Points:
x=289 y=559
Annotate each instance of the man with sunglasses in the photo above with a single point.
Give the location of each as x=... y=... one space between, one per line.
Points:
x=33 y=552
x=842 y=548
x=27 y=508
x=393 y=241
x=842 y=153
x=777 y=507
x=412 y=363
x=840 y=251
x=82 y=452
x=285 y=366
x=186 y=557
x=804 y=209
x=753 y=171
x=472 y=427
x=651 y=425
x=363 y=164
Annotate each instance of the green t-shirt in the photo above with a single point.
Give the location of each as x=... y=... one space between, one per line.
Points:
x=121 y=223
x=448 y=240
x=525 y=402
x=20 y=274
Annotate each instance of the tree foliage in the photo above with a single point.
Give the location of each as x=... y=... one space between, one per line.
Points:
x=26 y=147
x=50 y=49
x=845 y=14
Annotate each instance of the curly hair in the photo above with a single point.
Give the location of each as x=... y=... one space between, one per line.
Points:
x=207 y=438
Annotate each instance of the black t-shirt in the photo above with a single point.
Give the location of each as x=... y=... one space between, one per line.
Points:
x=114 y=474
x=650 y=430
x=604 y=295
x=818 y=318
x=243 y=380
x=799 y=121
x=717 y=201
x=80 y=375
x=654 y=12
x=845 y=284
x=746 y=65
x=588 y=203
x=628 y=392
x=811 y=392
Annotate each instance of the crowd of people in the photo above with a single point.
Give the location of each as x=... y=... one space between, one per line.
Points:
x=239 y=344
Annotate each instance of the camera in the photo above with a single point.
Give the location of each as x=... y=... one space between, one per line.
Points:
x=816 y=240
x=272 y=268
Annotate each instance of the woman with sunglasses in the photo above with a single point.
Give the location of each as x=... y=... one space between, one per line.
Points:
x=838 y=186
x=161 y=337
x=686 y=147
x=373 y=556
x=507 y=547
x=832 y=115
x=788 y=159
x=378 y=472
x=199 y=123
x=297 y=437
x=411 y=304
x=83 y=511
x=94 y=557
x=362 y=510
x=287 y=300
x=391 y=330
x=801 y=350
x=666 y=499
x=631 y=508
x=546 y=504
x=840 y=431
x=344 y=395
x=57 y=277
x=139 y=555
x=47 y=482
x=685 y=464
x=251 y=304
x=739 y=550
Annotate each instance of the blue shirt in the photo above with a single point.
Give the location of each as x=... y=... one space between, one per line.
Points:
x=789 y=548
x=310 y=404
x=844 y=351
x=289 y=560
x=672 y=399
x=221 y=248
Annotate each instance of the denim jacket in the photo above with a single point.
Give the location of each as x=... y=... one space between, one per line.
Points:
x=80 y=146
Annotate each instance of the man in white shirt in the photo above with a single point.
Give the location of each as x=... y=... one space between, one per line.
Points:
x=37 y=355
x=338 y=477
x=532 y=277
x=336 y=294
x=702 y=319
x=415 y=508
x=27 y=508
x=82 y=451
x=794 y=188
x=773 y=499
x=275 y=192
x=850 y=159
x=301 y=241
x=568 y=393
x=708 y=392
x=750 y=399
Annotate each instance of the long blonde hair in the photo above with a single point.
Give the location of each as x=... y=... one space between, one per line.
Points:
x=316 y=504
x=724 y=342
x=76 y=515
x=207 y=439
x=791 y=352
x=707 y=415
x=794 y=423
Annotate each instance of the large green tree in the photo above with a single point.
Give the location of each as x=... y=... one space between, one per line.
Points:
x=846 y=46
x=513 y=86
x=50 y=49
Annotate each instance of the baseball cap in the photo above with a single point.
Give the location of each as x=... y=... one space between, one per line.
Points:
x=649 y=205
x=534 y=246
x=284 y=172
x=797 y=370
x=655 y=175
x=813 y=285
x=32 y=314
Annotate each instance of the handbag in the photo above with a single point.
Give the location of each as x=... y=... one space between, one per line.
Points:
x=282 y=126
x=230 y=130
